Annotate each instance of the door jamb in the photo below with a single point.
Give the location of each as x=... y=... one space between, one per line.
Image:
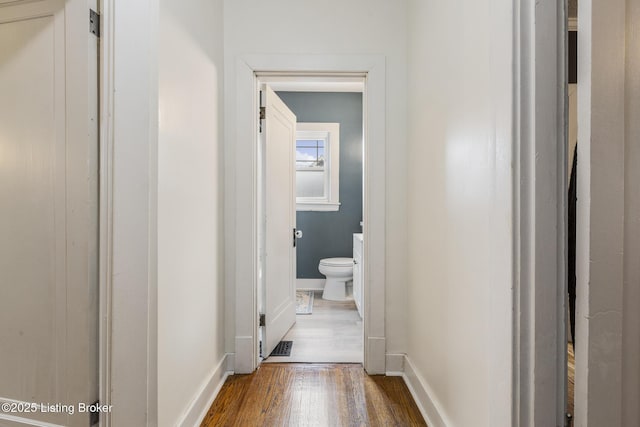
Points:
x=105 y=205
x=540 y=217
x=128 y=153
x=245 y=237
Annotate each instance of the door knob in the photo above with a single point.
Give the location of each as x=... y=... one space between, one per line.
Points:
x=298 y=234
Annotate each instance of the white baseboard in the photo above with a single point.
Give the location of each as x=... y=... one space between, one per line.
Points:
x=202 y=401
x=375 y=355
x=424 y=397
x=8 y=420
x=310 y=284
x=395 y=365
x=243 y=362
x=231 y=362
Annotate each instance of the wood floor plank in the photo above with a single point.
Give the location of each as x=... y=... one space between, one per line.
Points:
x=571 y=374
x=296 y=394
x=228 y=403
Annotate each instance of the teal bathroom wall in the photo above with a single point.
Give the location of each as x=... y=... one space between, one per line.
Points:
x=329 y=234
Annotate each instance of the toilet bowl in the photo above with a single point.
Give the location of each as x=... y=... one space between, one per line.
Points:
x=338 y=272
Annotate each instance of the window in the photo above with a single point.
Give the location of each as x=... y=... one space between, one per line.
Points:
x=317 y=166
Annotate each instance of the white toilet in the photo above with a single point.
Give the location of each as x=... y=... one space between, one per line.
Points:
x=338 y=271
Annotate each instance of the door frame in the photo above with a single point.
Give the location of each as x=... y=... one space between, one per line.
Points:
x=539 y=356
x=607 y=383
x=105 y=204
x=317 y=83
x=245 y=231
x=128 y=212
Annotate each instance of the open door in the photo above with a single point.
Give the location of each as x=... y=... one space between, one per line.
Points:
x=278 y=219
x=49 y=213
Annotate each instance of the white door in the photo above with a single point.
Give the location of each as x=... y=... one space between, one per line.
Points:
x=279 y=219
x=48 y=213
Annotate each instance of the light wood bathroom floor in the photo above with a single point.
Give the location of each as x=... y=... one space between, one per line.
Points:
x=332 y=334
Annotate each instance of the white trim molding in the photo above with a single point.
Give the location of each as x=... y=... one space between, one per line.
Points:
x=128 y=213
x=18 y=421
x=607 y=372
x=317 y=206
x=241 y=114
x=310 y=284
x=105 y=251
x=203 y=400
x=330 y=134
x=424 y=397
x=540 y=195
x=395 y=365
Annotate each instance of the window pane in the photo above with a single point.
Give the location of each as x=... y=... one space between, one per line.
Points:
x=310 y=143
x=315 y=172
x=307 y=154
x=310 y=153
x=310 y=183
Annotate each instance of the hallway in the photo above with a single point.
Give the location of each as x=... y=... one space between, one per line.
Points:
x=137 y=240
x=313 y=395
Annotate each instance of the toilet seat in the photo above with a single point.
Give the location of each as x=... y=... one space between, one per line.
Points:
x=337 y=262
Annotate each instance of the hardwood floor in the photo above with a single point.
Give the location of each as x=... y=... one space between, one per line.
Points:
x=571 y=376
x=332 y=334
x=296 y=394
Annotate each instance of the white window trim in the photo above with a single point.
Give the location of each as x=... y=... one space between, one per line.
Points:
x=330 y=132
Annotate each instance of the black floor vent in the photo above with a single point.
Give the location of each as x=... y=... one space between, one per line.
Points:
x=282 y=349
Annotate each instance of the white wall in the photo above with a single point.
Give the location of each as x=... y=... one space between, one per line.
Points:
x=190 y=208
x=329 y=27
x=600 y=213
x=459 y=208
x=608 y=223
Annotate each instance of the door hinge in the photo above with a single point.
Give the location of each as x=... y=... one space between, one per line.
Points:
x=263 y=321
x=262 y=112
x=94 y=22
x=261 y=116
x=94 y=418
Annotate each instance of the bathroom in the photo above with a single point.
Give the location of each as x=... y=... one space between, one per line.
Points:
x=328 y=327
